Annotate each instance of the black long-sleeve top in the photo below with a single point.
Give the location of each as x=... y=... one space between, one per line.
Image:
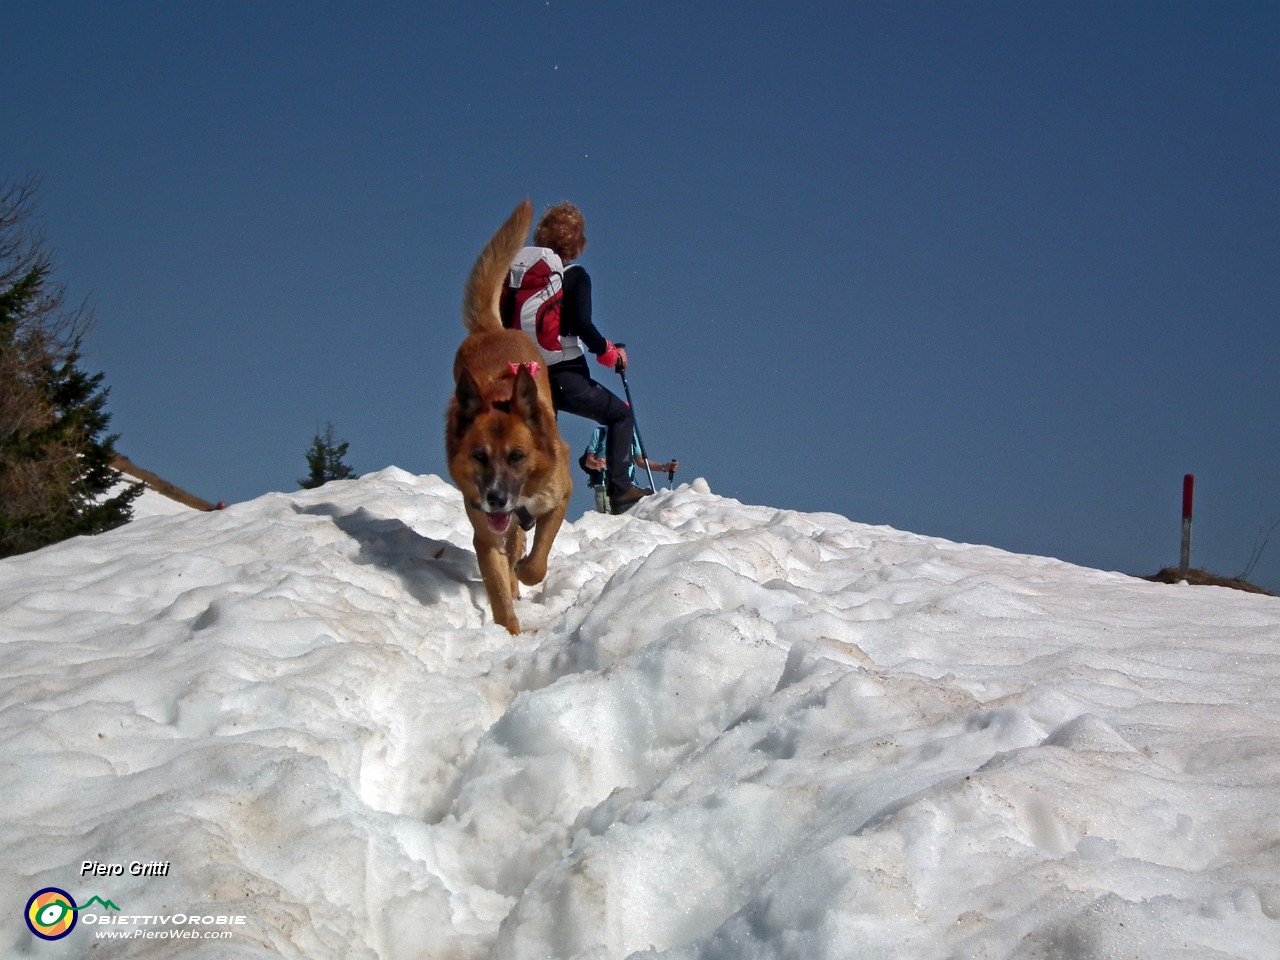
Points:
x=575 y=310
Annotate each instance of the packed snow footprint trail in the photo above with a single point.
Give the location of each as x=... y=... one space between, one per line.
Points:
x=728 y=732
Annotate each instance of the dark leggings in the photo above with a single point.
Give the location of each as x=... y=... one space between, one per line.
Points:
x=573 y=391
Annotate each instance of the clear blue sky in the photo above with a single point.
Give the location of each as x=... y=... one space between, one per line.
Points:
x=996 y=272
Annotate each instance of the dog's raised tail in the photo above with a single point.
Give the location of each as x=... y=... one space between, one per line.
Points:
x=484 y=286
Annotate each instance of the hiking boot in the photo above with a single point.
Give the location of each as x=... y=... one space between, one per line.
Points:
x=624 y=501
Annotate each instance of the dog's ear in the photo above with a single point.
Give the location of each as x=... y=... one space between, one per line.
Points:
x=524 y=398
x=468 y=400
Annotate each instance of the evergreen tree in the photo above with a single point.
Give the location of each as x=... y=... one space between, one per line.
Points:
x=55 y=463
x=324 y=458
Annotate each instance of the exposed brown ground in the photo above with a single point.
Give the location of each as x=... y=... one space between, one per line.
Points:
x=163 y=487
x=1206 y=579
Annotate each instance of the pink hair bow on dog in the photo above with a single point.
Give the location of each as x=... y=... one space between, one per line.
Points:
x=533 y=368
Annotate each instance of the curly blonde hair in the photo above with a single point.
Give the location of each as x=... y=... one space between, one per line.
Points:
x=563 y=229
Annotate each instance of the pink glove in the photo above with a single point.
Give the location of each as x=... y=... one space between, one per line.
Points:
x=610 y=357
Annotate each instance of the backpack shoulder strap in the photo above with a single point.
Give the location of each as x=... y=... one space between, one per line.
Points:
x=529 y=257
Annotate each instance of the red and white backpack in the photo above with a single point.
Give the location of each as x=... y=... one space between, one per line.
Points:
x=532 y=299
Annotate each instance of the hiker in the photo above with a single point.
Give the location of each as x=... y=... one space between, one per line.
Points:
x=595 y=466
x=538 y=285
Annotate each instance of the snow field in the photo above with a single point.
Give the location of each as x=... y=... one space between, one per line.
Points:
x=727 y=732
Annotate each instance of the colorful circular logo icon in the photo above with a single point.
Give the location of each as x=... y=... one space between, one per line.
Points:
x=51 y=913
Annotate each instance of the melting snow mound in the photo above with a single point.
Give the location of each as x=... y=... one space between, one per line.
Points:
x=727 y=732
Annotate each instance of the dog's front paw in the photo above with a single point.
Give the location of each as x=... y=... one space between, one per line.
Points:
x=531 y=571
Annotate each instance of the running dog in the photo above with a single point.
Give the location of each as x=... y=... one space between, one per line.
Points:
x=505 y=451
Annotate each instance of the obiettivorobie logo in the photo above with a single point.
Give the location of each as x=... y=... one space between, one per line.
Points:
x=52 y=913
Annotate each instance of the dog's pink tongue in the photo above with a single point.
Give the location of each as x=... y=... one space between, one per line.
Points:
x=498 y=522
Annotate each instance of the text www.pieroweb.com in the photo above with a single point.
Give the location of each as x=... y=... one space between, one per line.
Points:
x=162 y=934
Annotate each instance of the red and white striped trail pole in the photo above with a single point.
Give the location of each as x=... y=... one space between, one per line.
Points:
x=1188 y=491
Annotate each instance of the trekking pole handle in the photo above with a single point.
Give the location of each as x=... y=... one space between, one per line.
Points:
x=618 y=367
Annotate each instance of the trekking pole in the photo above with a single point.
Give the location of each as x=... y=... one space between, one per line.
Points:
x=635 y=426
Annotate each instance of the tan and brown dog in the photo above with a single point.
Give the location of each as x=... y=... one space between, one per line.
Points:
x=505 y=451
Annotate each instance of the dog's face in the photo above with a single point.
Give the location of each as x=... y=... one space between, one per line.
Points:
x=494 y=447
